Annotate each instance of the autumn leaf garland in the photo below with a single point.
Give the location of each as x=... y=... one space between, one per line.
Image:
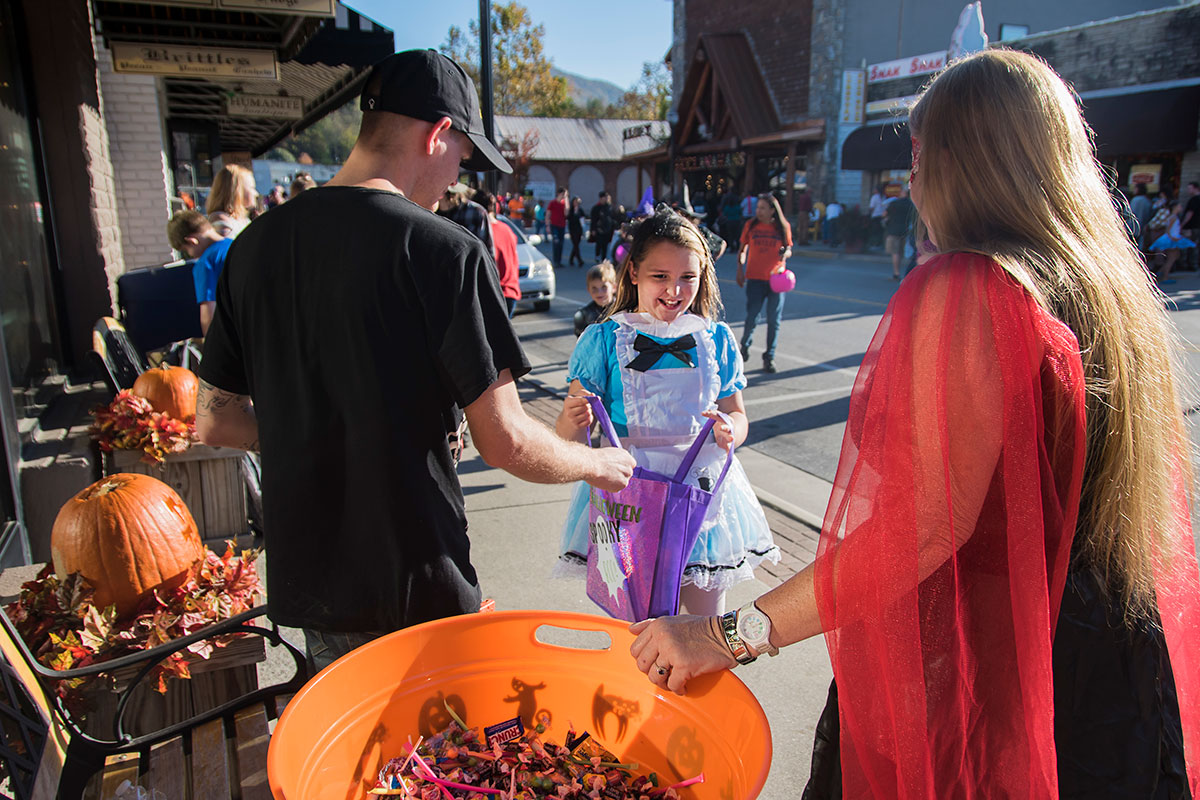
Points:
x=65 y=630
x=129 y=422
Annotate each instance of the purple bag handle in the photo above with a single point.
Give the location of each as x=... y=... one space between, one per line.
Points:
x=689 y=458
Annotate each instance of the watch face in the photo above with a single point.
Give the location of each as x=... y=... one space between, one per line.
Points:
x=752 y=626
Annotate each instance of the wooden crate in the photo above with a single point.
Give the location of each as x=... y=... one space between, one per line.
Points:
x=209 y=479
x=227 y=674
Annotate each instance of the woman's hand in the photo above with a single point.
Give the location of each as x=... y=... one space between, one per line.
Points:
x=741 y=277
x=673 y=650
x=722 y=431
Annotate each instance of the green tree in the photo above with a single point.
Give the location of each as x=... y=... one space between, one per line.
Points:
x=650 y=97
x=327 y=141
x=521 y=77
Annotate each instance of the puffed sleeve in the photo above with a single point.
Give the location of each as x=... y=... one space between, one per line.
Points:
x=590 y=359
x=729 y=361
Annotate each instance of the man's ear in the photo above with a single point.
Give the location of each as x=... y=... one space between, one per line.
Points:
x=435 y=135
x=191 y=240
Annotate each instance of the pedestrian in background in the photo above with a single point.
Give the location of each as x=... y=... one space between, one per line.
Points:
x=349 y=323
x=231 y=200
x=804 y=208
x=766 y=245
x=539 y=218
x=575 y=219
x=504 y=251
x=456 y=204
x=301 y=183
x=556 y=213
x=1142 y=211
x=877 y=203
x=1006 y=576
x=830 y=232
x=602 y=225
x=897 y=222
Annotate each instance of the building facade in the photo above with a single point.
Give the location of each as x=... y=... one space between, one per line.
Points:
x=838 y=74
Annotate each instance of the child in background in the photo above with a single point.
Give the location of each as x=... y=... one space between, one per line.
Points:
x=667 y=297
x=601 y=284
x=192 y=234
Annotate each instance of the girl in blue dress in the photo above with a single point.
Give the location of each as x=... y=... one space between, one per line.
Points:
x=661 y=363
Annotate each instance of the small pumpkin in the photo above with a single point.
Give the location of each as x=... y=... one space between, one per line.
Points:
x=127 y=534
x=171 y=390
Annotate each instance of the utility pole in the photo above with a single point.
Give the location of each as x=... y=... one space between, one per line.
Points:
x=485 y=84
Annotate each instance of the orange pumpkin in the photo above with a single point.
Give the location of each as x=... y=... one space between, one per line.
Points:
x=170 y=390
x=127 y=534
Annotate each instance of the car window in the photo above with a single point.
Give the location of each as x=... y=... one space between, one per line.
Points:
x=521 y=237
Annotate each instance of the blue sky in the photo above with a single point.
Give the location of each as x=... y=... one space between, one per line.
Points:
x=608 y=39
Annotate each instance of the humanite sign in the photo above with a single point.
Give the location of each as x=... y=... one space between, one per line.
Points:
x=265 y=105
x=197 y=62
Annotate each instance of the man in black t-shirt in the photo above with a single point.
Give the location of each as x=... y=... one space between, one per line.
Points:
x=1189 y=223
x=349 y=324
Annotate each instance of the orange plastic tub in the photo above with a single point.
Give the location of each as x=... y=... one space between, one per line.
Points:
x=352 y=717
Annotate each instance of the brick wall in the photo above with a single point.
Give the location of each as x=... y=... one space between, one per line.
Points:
x=139 y=163
x=1141 y=48
x=780 y=35
x=79 y=171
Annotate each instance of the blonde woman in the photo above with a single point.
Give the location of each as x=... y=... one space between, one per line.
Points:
x=231 y=200
x=1006 y=577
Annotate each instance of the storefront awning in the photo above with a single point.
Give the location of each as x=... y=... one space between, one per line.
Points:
x=877 y=148
x=1158 y=121
x=322 y=62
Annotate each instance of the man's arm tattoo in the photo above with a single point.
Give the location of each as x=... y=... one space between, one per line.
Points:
x=219 y=403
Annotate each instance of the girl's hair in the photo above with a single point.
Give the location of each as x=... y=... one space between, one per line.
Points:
x=665 y=225
x=603 y=271
x=776 y=213
x=232 y=191
x=1011 y=174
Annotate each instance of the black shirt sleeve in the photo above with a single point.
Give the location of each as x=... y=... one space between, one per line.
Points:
x=223 y=365
x=467 y=322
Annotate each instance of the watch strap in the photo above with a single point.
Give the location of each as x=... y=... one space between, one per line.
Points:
x=736 y=645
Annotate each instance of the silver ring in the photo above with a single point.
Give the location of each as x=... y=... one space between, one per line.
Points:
x=663 y=670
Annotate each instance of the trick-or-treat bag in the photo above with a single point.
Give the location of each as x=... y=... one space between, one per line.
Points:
x=640 y=537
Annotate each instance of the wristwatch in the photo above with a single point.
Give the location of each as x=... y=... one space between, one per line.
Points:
x=729 y=627
x=754 y=628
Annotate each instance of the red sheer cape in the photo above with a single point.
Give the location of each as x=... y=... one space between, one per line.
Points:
x=945 y=545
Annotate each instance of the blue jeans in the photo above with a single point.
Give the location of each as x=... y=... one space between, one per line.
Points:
x=758 y=292
x=323 y=648
x=556 y=238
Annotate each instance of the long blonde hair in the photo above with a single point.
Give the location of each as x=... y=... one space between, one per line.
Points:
x=1007 y=169
x=666 y=225
x=232 y=191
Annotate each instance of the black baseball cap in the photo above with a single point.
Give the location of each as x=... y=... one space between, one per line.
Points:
x=426 y=85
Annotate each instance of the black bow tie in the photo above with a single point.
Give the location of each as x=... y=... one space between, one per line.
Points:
x=650 y=351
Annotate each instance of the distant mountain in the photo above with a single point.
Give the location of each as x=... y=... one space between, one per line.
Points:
x=581 y=89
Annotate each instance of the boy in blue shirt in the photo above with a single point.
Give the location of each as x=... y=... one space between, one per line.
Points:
x=192 y=234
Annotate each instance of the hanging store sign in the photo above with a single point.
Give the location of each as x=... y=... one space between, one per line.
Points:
x=710 y=161
x=307 y=8
x=265 y=106
x=1149 y=174
x=854 y=92
x=906 y=67
x=194 y=62
x=890 y=105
